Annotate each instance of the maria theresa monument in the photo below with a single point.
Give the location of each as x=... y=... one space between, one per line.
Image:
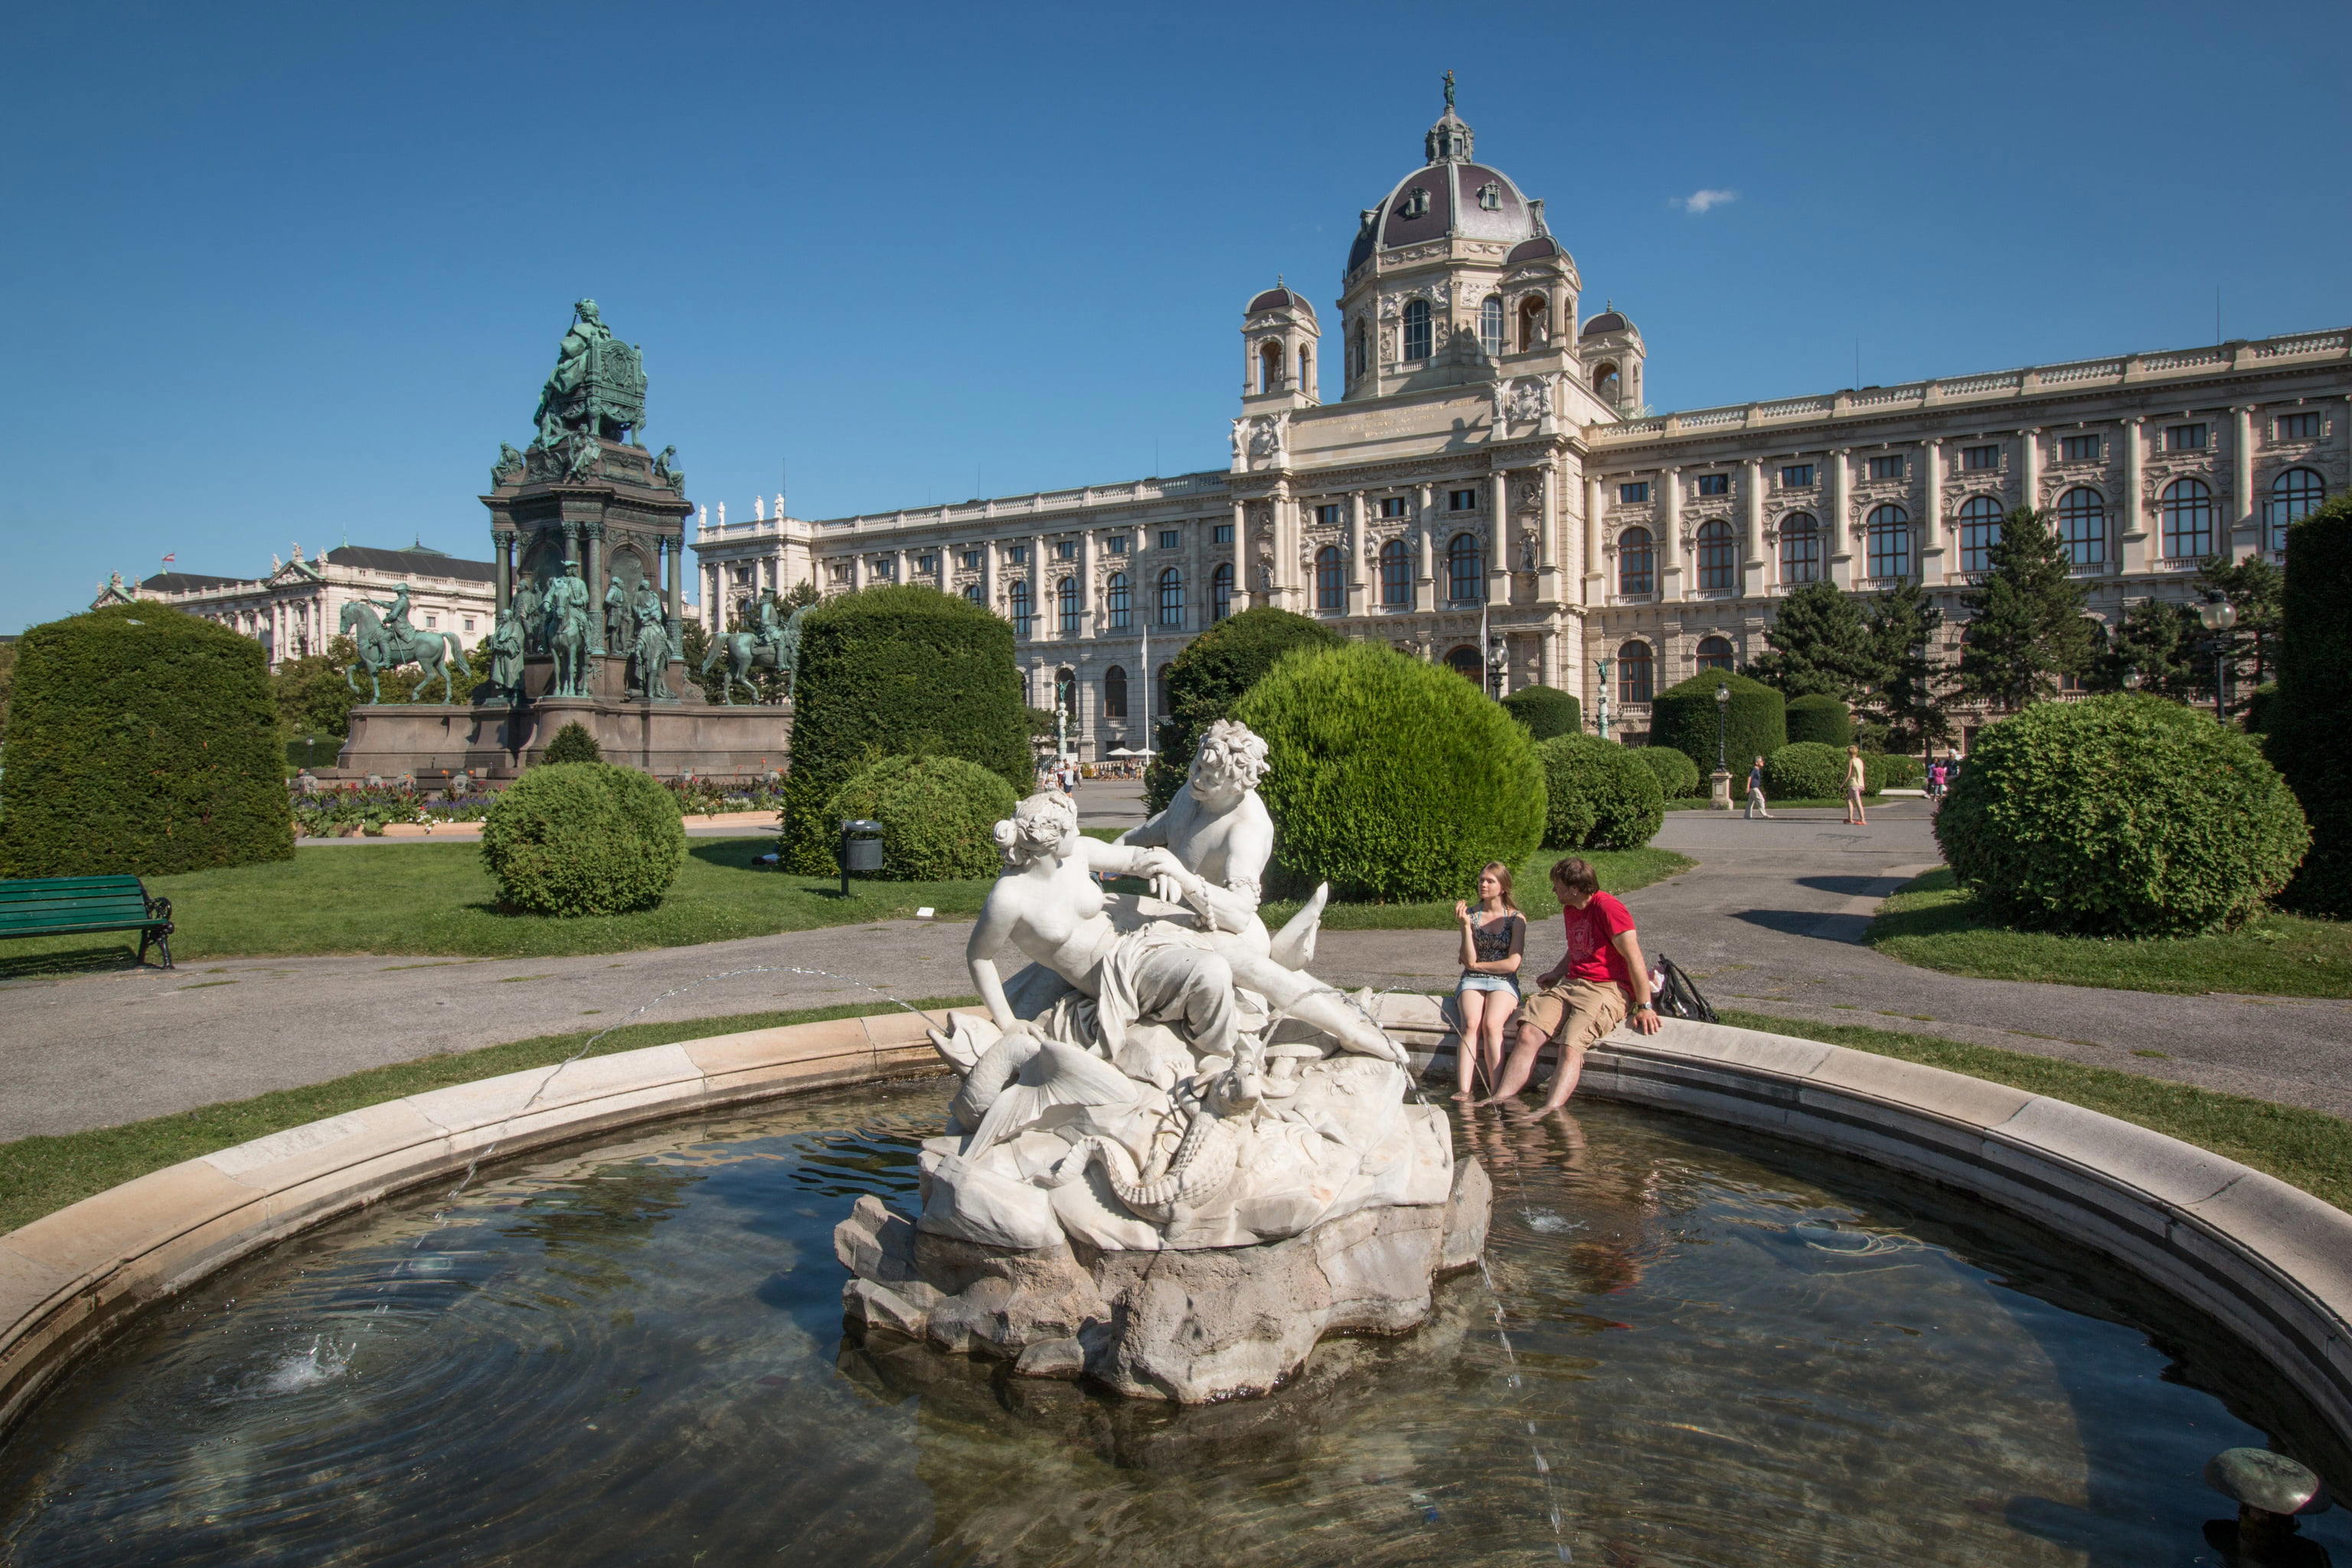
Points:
x=1490 y=488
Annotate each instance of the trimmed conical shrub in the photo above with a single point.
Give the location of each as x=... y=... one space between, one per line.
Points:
x=1754 y=725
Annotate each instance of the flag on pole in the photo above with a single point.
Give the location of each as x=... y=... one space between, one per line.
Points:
x=169 y=559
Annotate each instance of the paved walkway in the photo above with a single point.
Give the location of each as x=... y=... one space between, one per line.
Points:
x=1769 y=921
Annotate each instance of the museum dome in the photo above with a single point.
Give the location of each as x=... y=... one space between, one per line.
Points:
x=1448 y=197
x=1610 y=321
x=1281 y=297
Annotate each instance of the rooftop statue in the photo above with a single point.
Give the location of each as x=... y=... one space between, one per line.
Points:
x=598 y=387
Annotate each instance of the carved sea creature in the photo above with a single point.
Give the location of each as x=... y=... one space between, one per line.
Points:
x=1202 y=1167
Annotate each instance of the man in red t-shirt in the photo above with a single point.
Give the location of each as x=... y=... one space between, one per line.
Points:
x=1585 y=993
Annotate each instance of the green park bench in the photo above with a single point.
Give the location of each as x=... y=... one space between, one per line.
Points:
x=66 y=906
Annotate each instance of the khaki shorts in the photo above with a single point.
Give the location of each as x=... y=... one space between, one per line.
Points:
x=1575 y=1011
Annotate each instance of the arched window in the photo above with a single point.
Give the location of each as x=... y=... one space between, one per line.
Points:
x=1306 y=368
x=1531 y=322
x=1396 y=574
x=1171 y=596
x=2188 y=508
x=1714 y=655
x=1114 y=692
x=1022 y=614
x=2082 y=526
x=1979 y=532
x=1800 y=548
x=2295 y=495
x=1121 y=596
x=1634 y=672
x=1065 y=692
x=1362 y=354
x=1716 y=557
x=1331 y=579
x=975 y=592
x=1889 y=539
x=1066 y=598
x=1465 y=573
x=1269 y=368
x=1464 y=662
x=1490 y=324
x=1605 y=383
x=1416 y=329
x=1637 y=562
x=1220 y=591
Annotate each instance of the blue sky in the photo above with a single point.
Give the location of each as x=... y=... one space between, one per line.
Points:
x=281 y=273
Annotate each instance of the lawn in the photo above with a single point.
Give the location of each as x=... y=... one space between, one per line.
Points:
x=1931 y=923
x=1622 y=871
x=2307 y=1148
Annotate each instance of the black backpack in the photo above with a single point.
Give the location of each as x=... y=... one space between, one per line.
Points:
x=1677 y=998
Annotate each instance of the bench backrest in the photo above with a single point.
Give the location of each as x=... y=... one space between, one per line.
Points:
x=37 y=902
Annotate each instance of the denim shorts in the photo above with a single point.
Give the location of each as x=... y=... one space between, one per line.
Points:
x=1487 y=982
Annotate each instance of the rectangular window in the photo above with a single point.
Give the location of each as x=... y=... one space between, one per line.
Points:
x=1017 y=554
x=1979 y=458
x=928 y=564
x=1635 y=494
x=886 y=569
x=2079 y=448
x=2298 y=427
x=1116 y=544
x=1797 y=477
x=1393 y=506
x=1714 y=484
x=1328 y=516
x=1462 y=501
x=1886 y=468
x=2184 y=437
x=972 y=559
x=469 y=623
x=1065 y=549
x=1222 y=533
x=1171 y=539
x=841 y=571
x=431 y=622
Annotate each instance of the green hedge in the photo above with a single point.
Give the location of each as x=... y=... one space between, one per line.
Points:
x=2121 y=815
x=1392 y=779
x=573 y=743
x=1677 y=774
x=1684 y=717
x=2309 y=717
x=1598 y=794
x=582 y=838
x=141 y=740
x=897 y=671
x=1893 y=770
x=1209 y=677
x=939 y=816
x=1805 y=770
x=1819 y=718
x=1546 y=711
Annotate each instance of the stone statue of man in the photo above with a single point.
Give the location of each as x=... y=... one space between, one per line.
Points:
x=618 y=633
x=527 y=612
x=567 y=602
x=506 y=655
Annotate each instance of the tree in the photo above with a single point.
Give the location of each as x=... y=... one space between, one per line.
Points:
x=8 y=679
x=1820 y=644
x=2310 y=717
x=1909 y=701
x=2025 y=625
x=2164 y=643
x=2255 y=589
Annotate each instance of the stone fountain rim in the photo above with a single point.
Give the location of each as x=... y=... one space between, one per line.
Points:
x=2271 y=1262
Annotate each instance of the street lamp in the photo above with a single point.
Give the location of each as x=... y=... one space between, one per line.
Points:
x=2219 y=616
x=1722 y=780
x=1497 y=663
x=1604 y=664
x=2131 y=680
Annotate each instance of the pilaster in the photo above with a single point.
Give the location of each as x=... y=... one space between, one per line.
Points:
x=1839 y=534
x=2246 y=530
x=2131 y=516
x=1751 y=526
x=1670 y=548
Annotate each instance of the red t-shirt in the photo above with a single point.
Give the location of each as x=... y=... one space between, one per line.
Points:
x=1591 y=955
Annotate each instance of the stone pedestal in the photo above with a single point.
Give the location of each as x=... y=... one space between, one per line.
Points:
x=1719 y=782
x=1190 y=1327
x=498 y=741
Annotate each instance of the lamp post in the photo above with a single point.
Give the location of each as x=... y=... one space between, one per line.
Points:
x=1721 y=800
x=1605 y=664
x=2132 y=679
x=1497 y=663
x=2219 y=616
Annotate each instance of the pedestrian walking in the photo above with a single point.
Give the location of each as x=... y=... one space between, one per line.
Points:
x=1585 y=993
x=1494 y=935
x=1936 y=773
x=1854 y=778
x=1756 y=801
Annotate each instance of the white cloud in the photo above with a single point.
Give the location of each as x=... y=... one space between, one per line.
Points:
x=1700 y=201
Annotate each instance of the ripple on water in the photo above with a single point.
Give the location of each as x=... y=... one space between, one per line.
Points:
x=1687 y=1348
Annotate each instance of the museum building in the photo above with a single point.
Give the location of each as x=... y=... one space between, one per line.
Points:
x=1489 y=489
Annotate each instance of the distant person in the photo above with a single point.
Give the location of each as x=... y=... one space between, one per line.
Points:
x=1756 y=802
x=1494 y=935
x=1856 y=777
x=1587 y=992
x=1936 y=780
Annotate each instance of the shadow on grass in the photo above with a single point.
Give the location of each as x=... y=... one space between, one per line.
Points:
x=74 y=961
x=1856 y=887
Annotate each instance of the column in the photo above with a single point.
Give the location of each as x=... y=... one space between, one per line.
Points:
x=991 y=576
x=1087 y=606
x=1287 y=537
x=1548 y=657
x=1040 y=606
x=571 y=542
x=1838 y=527
x=1592 y=556
x=1424 y=596
x=676 y=549
x=2242 y=479
x=1360 y=574
x=2029 y=469
x=1670 y=546
x=1751 y=571
x=2131 y=508
x=594 y=572
x=1931 y=539
x=1549 y=566
x=1497 y=588
x=502 y=547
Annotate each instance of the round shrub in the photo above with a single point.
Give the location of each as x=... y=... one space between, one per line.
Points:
x=891 y=672
x=1805 y=770
x=1892 y=770
x=1677 y=775
x=582 y=838
x=1684 y=717
x=1391 y=779
x=1599 y=794
x=2122 y=816
x=1209 y=677
x=1546 y=710
x=573 y=743
x=141 y=740
x=1820 y=718
x=938 y=815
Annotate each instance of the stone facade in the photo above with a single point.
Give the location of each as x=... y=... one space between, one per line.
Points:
x=293 y=612
x=1489 y=489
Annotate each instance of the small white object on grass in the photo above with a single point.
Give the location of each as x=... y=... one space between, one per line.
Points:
x=925 y=912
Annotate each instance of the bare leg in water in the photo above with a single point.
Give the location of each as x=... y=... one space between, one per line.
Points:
x=1480 y=1053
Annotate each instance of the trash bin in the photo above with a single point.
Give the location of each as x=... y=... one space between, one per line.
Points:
x=861 y=849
